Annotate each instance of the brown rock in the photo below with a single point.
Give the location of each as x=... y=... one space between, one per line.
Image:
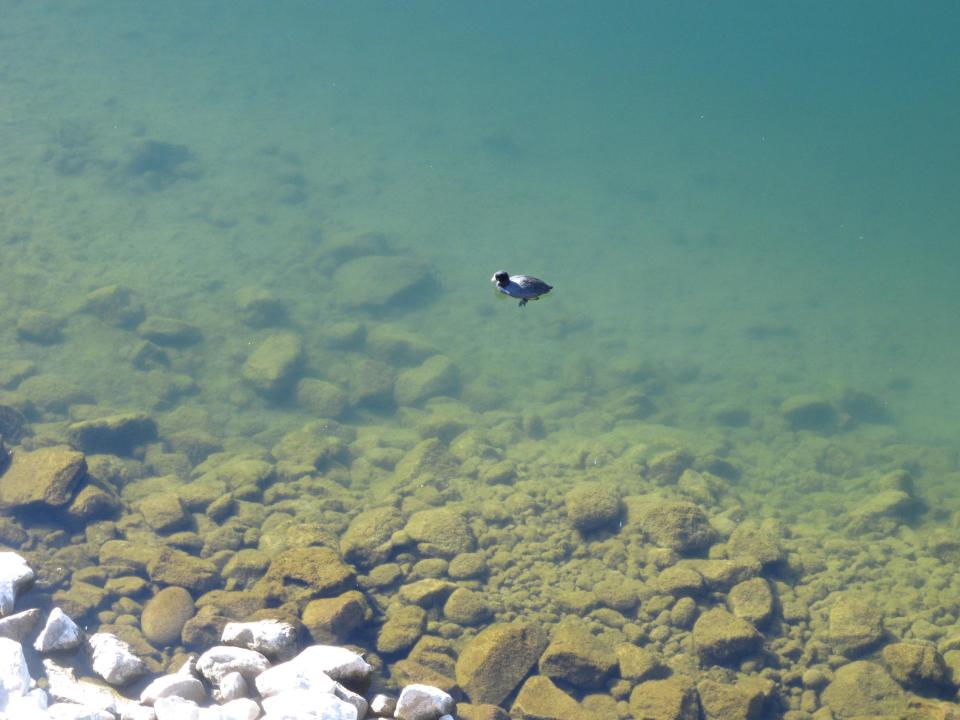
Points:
x=497 y=659
x=577 y=657
x=672 y=699
x=540 y=699
x=402 y=629
x=47 y=476
x=915 y=665
x=752 y=600
x=720 y=637
x=366 y=541
x=440 y=532
x=864 y=688
x=854 y=626
x=307 y=572
x=165 y=614
x=329 y=619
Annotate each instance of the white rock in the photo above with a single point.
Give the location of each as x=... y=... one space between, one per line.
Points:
x=174 y=708
x=64 y=687
x=113 y=659
x=339 y=663
x=60 y=633
x=231 y=687
x=32 y=706
x=423 y=702
x=19 y=625
x=383 y=705
x=222 y=659
x=273 y=638
x=15 y=574
x=293 y=675
x=307 y=705
x=240 y=709
x=178 y=684
x=73 y=711
x=15 y=680
x=358 y=701
x=132 y=711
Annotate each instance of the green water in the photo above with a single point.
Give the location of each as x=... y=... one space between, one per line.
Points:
x=737 y=203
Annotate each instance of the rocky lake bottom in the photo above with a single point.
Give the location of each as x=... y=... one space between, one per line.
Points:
x=594 y=554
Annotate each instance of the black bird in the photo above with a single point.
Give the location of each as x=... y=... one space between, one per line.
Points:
x=522 y=287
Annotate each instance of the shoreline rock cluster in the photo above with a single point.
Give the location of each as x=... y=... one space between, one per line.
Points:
x=257 y=673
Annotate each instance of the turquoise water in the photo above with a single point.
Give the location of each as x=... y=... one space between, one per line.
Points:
x=742 y=201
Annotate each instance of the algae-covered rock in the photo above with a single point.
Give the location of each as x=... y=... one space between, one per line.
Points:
x=40 y=327
x=638 y=663
x=115 y=304
x=863 y=689
x=321 y=398
x=440 y=532
x=80 y=599
x=854 y=626
x=540 y=699
x=467 y=607
x=666 y=468
x=494 y=662
x=916 y=666
x=760 y=542
x=307 y=572
x=92 y=502
x=591 y=506
x=678 y=580
x=52 y=393
x=577 y=657
x=366 y=541
x=370 y=382
x=881 y=512
x=165 y=614
x=809 y=412
x=672 y=699
x=720 y=637
x=258 y=307
x=398 y=346
x=316 y=444
x=378 y=280
x=427 y=463
x=740 y=701
x=436 y=376
x=169 y=332
x=675 y=524
x=117 y=434
x=164 y=512
x=402 y=629
x=752 y=600
x=175 y=567
x=332 y=619
x=272 y=368
x=47 y=476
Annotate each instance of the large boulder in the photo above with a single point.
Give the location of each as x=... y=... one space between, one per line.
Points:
x=440 y=532
x=540 y=698
x=864 y=689
x=436 y=376
x=672 y=699
x=592 y=506
x=577 y=657
x=676 y=524
x=115 y=434
x=378 y=280
x=366 y=541
x=854 y=626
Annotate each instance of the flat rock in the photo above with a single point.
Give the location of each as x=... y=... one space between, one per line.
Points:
x=47 y=476
x=436 y=376
x=114 y=660
x=494 y=662
x=59 y=633
x=307 y=572
x=115 y=434
x=15 y=575
x=378 y=280
x=915 y=665
x=169 y=332
x=440 y=532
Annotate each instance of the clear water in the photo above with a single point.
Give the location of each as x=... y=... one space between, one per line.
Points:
x=757 y=199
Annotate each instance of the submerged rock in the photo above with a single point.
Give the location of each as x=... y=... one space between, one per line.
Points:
x=165 y=614
x=380 y=280
x=809 y=412
x=577 y=657
x=115 y=434
x=862 y=689
x=40 y=327
x=169 y=332
x=720 y=637
x=540 y=698
x=592 y=506
x=272 y=368
x=494 y=662
x=436 y=376
x=115 y=304
x=47 y=476
x=854 y=626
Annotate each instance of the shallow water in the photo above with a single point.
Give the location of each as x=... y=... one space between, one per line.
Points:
x=736 y=205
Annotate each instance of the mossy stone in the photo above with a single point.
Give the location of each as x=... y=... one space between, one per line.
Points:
x=165 y=614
